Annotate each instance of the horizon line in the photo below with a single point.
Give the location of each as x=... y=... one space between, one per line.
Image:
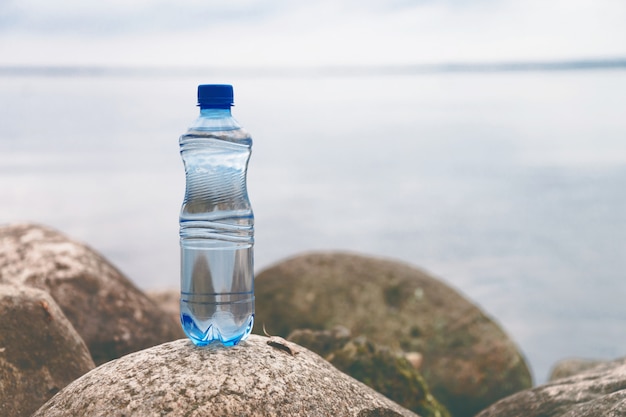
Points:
x=317 y=71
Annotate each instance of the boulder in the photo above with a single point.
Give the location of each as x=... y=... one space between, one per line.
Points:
x=168 y=301
x=467 y=359
x=569 y=367
x=112 y=316
x=40 y=352
x=380 y=368
x=598 y=392
x=258 y=377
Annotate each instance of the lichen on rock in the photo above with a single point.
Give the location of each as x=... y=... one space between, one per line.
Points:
x=380 y=368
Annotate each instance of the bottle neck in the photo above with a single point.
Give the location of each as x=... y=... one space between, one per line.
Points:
x=212 y=119
x=215 y=113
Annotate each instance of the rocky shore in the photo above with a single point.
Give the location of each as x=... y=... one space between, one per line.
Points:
x=347 y=335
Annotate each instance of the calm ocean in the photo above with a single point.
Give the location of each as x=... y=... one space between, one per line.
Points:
x=509 y=185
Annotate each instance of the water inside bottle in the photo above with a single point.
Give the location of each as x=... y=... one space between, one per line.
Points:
x=217 y=294
x=217 y=237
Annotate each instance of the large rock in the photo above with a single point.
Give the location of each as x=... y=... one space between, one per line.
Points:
x=468 y=360
x=168 y=301
x=107 y=310
x=251 y=379
x=570 y=367
x=40 y=352
x=382 y=369
x=599 y=392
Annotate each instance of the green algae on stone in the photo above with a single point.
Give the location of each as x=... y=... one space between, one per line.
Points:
x=385 y=371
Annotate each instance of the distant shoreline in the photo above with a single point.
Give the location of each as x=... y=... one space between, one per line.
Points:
x=317 y=71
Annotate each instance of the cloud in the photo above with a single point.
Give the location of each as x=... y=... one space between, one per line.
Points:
x=325 y=32
x=122 y=17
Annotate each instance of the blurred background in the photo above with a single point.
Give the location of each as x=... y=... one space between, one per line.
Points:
x=484 y=141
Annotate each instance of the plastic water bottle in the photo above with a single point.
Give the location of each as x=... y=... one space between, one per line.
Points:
x=216 y=225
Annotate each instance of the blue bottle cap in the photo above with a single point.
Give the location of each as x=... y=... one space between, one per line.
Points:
x=215 y=96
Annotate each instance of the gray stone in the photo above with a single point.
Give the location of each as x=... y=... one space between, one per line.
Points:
x=168 y=301
x=467 y=359
x=569 y=367
x=251 y=379
x=40 y=352
x=598 y=392
x=108 y=311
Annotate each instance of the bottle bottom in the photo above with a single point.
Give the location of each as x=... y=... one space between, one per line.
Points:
x=206 y=323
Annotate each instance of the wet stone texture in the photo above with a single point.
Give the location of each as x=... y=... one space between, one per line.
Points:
x=40 y=352
x=251 y=379
x=467 y=360
x=597 y=392
x=112 y=315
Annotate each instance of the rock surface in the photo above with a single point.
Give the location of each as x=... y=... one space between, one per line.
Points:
x=40 y=352
x=112 y=316
x=598 y=392
x=571 y=367
x=387 y=372
x=467 y=360
x=251 y=379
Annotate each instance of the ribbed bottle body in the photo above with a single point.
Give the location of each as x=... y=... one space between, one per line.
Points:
x=216 y=233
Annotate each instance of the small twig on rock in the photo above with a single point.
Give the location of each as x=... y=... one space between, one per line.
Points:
x=46 y=308
x=278 y=342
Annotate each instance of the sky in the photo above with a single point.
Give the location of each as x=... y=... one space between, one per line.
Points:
x=277 y=33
